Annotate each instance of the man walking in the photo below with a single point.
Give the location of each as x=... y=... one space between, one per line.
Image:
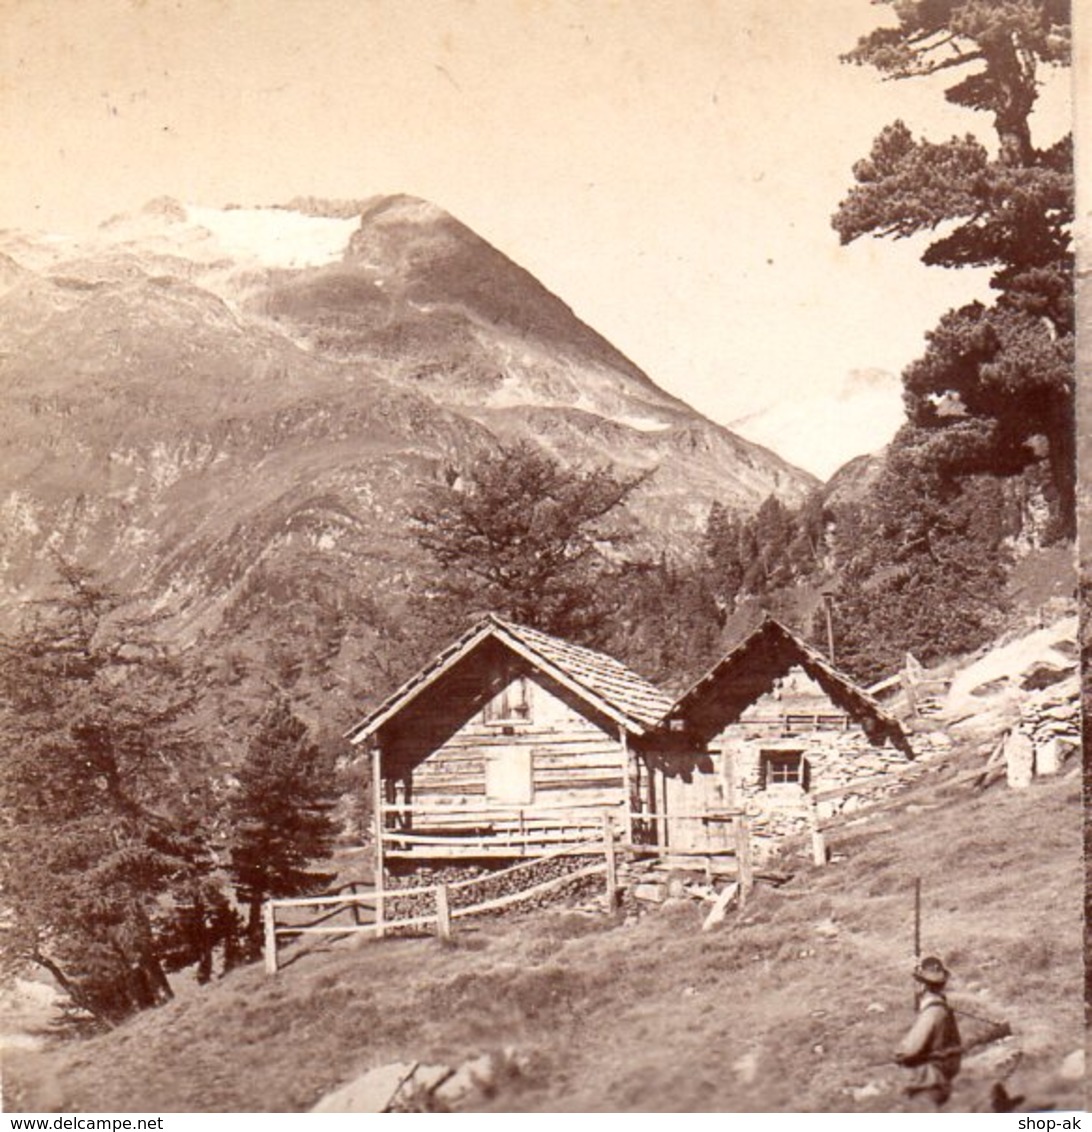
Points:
x=932 y=1047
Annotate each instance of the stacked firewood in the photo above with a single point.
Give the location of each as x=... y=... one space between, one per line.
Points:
x=490 y=882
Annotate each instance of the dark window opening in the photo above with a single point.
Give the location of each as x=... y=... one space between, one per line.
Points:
x=784 y=770
x=511 y=705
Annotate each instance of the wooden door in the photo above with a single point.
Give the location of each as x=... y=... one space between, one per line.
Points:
x=694 y=793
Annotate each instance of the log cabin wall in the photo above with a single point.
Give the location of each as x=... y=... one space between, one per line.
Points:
x=495 y=732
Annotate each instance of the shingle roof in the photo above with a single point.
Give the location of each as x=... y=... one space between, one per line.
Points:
x=602 y=681
x=599 y=673
x=745 y=673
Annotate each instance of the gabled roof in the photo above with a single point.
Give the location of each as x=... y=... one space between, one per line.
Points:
x=601 y=681
x=748 y=672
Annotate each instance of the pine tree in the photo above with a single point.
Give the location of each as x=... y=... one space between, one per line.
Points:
x=996 y=384
x=98 y=777
x=520 y=534
x=280 y=816
x=921 y=563
x=722 y=546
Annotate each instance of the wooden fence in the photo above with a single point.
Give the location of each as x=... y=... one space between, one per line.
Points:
x=369 y=907
x=438 y=831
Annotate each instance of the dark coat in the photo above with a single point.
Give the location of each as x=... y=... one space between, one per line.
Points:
x=932 y=1047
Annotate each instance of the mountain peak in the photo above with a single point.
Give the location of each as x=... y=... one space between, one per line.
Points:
x=402 y=208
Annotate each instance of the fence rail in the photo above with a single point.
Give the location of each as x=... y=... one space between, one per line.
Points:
x=378 y=899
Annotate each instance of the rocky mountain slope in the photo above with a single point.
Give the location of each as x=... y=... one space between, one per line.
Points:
x=230 y=411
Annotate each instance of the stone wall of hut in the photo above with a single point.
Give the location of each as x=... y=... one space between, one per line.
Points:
x=843 y=762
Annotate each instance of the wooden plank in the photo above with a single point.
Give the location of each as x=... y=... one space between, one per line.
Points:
x=500 y=810
x=345 y=929
x=583 y=771
x=426 y=779
x=627 y=783
x=730 y=771
x=592 y=740
x=571 y=754
x=556 y=797
x=366 y=900
x=455 y=755
x=608 y=856
x=696 y=815
x=377 y=800
x=743 y=856
x=661 y=848
x=533 y=854
x=544 y=837
x=270 y=945
x=443 y=913
x=477 y=790
x=413 y=922
x=720 y=907
x=601 y=766
x=818 y=844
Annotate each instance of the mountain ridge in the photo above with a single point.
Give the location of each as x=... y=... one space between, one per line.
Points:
x=197 y=424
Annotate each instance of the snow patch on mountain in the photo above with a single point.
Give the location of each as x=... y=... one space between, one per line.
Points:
x=821 y=432
x=515 y=391
x=276 y=237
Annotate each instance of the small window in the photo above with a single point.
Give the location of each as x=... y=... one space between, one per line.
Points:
x=511 y=705
x=784 y=770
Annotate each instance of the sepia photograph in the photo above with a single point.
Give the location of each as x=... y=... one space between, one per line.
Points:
x=539 y=557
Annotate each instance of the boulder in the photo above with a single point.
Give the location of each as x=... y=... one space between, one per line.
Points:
x=650 y=893
x=863 y=1092
x=1050 y=755
x=1072 y=1069
x=427 y=1078
x=370 y=1092
x=478 y=1075
x=1019 y=760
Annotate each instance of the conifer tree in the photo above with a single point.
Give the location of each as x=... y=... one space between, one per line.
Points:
x=520 y=534
x=99 y=786
x=996 y=383
x=280 y=816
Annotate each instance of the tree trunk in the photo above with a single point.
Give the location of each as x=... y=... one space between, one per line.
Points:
x=149 y=981
x=254 y=929
x=1016 y=99
x=232 y=955
x=1063 y=464
x=84 y=1002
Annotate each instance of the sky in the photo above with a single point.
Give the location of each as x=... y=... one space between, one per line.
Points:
x=667 y=167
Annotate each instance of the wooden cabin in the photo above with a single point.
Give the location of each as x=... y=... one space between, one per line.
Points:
x=772 y=729
x=508 y=743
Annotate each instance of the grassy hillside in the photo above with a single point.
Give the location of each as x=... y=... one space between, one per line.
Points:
x=790 y=1004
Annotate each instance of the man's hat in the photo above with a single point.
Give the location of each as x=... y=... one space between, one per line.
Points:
x=931 y=972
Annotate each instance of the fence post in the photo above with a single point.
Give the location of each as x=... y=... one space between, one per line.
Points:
x=354 y=907
x=380 y=825
x=743 y=857
x=818 y=843
x=270 y=937
x=443 y=912
x=608 y=855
